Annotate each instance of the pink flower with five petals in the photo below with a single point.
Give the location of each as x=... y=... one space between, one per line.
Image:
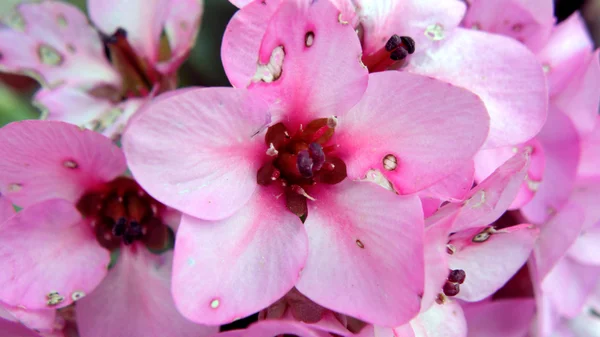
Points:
x=267 y=176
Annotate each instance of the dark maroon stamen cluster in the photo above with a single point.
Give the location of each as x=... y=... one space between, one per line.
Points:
x=452 y=285
x=121 y=212
x=400 y=47
x=300 y=161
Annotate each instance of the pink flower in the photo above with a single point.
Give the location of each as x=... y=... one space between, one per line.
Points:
x=502 y=72
x=77 y=209
x=242 y=190
x=145 y=42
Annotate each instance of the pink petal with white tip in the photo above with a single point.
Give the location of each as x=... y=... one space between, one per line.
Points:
x=569 y=284
x=56 y=45
x=372 y=239
x=455 y=186
x=264 y=247
x=49 y=256
x=418 y=121
x=446 y=318
x=137 y=294
x=74 y=106
x=217 y=134
x=513 y=87
x=529 y=22
x=40 y=160
x=589 y=161
x=300 y=60
x=561 y=151
x=556 y=237
x=273 y=328
x=415 y=18
x=242 y=40
x=506 y=317
x=490 y=263
x=487 y=201
x=567 y=50
x=14 y=329
x=181 y=28
x=486 y=161
x=580 y=98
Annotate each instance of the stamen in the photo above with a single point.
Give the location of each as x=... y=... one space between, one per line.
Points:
x=317 y=155
x=305 y=164
x=451 y=289
x=457 y=276
x=396 y=49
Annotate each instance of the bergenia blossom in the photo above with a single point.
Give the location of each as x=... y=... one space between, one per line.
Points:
x=421 y=37
x=97 y=76
x=267 y=176
x=77 y=210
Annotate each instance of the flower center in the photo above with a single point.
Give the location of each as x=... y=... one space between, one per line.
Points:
x=139 y=77
x=301 y=161
x=395 y=51
x=121 y=212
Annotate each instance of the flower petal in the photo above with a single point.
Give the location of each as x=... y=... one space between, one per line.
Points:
x=40 y=320
x=415 y=18
x=513 y=86
x=506 y=318
x=310 y=45
x=486 y=161
x=365 y=253
x=580 y=99
x=6 y=209
x=589 y=161
x=455 y=186
x=231 y=268
x=14 y=329
x=181 y=27
x=487 y=201
x=561 y=145
x=40 y=160
x=526 y=21
x=416 y=119
x=137 y=293
x=447 y=317
x=569 y=284
x=556 y=237
x=567 y=49
x=47 y=248
x=242 y=40
x=216 y=132
x=491 y=263
x=56 y=44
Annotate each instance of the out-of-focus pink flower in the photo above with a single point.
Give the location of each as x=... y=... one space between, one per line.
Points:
x=359 y=251
x=15 y=329
x=500 y=318
x=502 y=72
x=97 y=79
x=77 y=208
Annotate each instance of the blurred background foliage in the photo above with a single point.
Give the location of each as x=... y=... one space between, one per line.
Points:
x=203 y=67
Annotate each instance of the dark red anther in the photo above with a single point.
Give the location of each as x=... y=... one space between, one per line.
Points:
x=451 y=289
x=393 y=42
x=399 y=54
x=277 y=135
x=408 y=43
x=457 y=276
x=335 y=175
x=265 y=174
x=305 y=164
x=296 y=202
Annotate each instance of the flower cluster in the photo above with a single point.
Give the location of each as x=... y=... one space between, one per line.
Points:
x=379 y=168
